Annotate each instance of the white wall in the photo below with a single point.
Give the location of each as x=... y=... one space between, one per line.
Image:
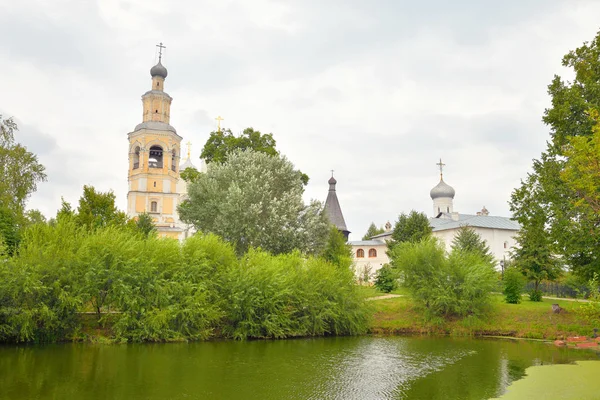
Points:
x=374 y=262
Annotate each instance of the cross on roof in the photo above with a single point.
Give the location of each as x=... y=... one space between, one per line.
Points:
x=189 y=146
x=160 y=47
x=219 y=119
x=441 y=165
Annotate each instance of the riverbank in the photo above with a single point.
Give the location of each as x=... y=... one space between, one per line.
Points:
x=531 y=320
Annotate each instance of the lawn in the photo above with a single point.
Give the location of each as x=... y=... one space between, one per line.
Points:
x=526 y=320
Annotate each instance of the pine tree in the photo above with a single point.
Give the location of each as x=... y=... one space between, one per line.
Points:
x=466 y=239
x=372 y=231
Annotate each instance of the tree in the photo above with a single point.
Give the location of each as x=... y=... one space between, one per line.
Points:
x=534 y=256
x=145 y=224
x=9 y=229
x=413 y=228
x=444 y=285
x=222 y=143
x=555 y=183
x=466 y=239
x=255 y=200
x=386 y=279
x=514 y=283
x=337 y=251
x=372 y=231
x=97 y=209
x=20 y=171
x=190 y=174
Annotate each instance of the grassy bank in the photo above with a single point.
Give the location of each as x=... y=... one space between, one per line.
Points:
x=531 y=320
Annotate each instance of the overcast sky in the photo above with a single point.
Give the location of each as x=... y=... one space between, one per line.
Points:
x=376 y=90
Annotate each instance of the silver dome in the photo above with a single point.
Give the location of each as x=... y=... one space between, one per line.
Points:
x=158 y=70
x=442 y=189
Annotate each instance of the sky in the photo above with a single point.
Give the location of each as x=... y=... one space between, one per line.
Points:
x=377 y=91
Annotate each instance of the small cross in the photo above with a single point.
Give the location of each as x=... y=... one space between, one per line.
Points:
x=441 y=165
x=189 y=147
x=219 y=119
x=160 y=47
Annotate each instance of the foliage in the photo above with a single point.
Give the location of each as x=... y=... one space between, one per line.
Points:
x=372 y=231
x=97 y=209
x=590 y=310
x=289 y=295
x=444 y=285
x=564 y=178
x=386 y=279
x=161 y=290
x=9 y=229
x=145 y=224
x=255 y=200
x=190 y=174
x=514 y=283
x=534 y=256
x=337 y=251
x=413 y=228
x=20 y=171
x=466 y=239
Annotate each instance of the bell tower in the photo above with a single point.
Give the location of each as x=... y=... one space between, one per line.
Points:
x=154 y=154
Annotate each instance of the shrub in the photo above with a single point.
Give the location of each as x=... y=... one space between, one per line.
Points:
x=514 y=283
x=444 y=285
x=386 y=279
x=535 y=295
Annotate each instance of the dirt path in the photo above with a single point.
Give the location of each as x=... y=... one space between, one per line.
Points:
x=385 y=296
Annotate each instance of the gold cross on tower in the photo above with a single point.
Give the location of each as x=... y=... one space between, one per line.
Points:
x=219 y=119
x=189 y=149
x=441 y=165
x=160 y=47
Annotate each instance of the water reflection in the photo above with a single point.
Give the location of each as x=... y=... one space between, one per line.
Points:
x=332 y=368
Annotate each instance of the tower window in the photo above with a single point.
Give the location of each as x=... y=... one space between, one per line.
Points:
x=173 y=161
x=157 y=84
x=372 y=253
x=156 y=157
x=360 y=253
x=154 y=183
x=448 y=209
x=156 y=111
x=154 y=206
x=136 y=158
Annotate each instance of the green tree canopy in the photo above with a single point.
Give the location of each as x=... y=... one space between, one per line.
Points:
x=145 y=224
x=558 y=185
x=466 y=239
x=255 y=200
x=221 y=143
x=372 y=231
x=412 y=227
x=337 y=251
x=98 y=209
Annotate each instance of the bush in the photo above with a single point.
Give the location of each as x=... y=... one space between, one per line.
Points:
x=445 y=285
x=386 y=279
x=535 y=295
x=514 y=283
x=590 y=310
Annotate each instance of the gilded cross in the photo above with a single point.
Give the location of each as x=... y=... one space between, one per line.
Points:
x=160 y=47
x=219 y=119
x=189 y=149
x=441 y=165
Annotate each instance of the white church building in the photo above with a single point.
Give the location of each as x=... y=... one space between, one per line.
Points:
x=498 y=232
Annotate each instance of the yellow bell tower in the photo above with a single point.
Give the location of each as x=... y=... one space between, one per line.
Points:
x=154 y=153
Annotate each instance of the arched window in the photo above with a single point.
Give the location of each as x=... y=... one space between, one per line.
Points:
x=360 y=253
x=173 y=162
x=372 y=253
x=506 y=245
x=154 y=206
x=136 y=157
x=156 y=157
x=447 y=209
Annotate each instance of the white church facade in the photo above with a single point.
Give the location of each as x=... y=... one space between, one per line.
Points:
x=498 y=232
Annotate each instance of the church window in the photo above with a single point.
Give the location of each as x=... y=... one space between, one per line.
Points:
x=506 y=245
x=173 y=162
x=136 y=158
x=372 y=253
x=360 y=253
x=156 y=157
x=157 y=84
x=154 y=206
x=154 y=183
x=447 y=209
x=438 y=210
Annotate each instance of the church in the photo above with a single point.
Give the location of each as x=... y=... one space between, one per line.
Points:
x=155 y=152
x=498 y=232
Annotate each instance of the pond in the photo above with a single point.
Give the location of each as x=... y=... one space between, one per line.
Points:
x=321 y=368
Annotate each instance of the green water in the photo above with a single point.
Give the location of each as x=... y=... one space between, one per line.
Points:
x=324 y=368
